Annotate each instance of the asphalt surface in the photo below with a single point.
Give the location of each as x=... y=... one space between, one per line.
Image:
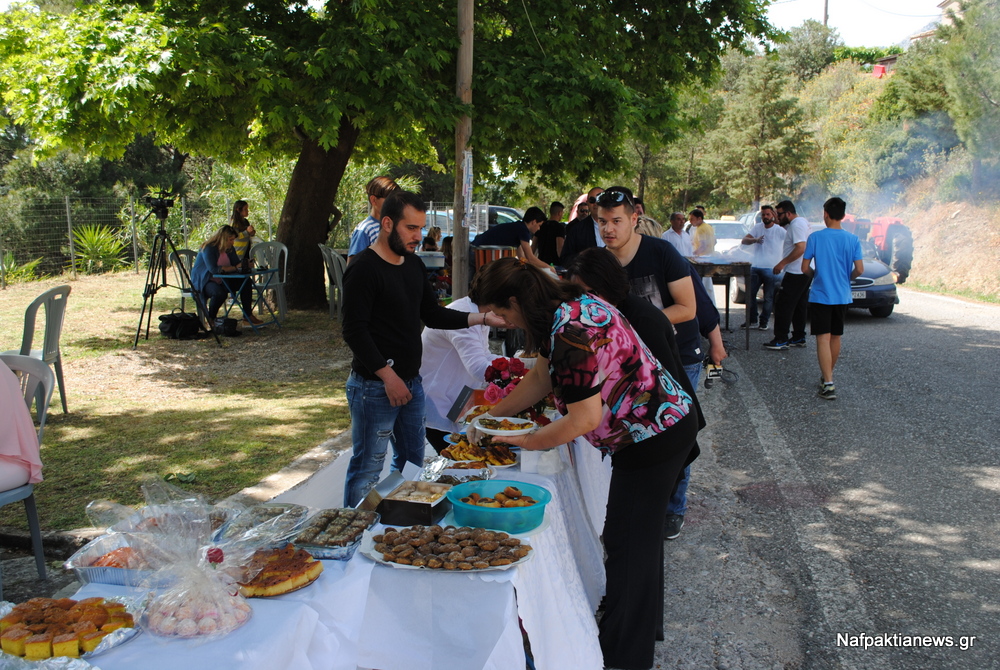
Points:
x=876 y=514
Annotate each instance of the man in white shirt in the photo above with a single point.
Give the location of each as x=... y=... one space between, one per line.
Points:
x=677 y=236
x=791 y=304
x=768 y=240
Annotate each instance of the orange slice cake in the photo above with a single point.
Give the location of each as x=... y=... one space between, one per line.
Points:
x=281 y=570
x=44 y=627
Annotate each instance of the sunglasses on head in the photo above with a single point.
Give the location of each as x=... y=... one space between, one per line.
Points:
x=610 y=199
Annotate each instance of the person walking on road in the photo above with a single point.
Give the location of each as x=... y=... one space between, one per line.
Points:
x=838 y=260
x=792 y=301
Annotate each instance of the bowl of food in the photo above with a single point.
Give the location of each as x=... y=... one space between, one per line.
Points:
x=499 y=504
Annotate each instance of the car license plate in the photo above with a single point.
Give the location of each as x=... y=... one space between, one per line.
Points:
x=857 y=295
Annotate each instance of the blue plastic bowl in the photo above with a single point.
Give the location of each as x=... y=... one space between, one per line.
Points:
x=512 y=520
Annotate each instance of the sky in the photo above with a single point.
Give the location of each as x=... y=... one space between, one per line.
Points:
x=861 y=23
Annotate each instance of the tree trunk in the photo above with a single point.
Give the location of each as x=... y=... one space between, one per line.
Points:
x=305 y=215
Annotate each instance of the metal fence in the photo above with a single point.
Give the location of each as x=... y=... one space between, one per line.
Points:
x=48 y=236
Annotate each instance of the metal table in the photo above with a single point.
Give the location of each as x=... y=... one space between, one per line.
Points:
x=716 y=266
x=259 y=281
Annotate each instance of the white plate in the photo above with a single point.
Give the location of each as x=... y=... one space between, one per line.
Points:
x=500 y=433
x=367 y=549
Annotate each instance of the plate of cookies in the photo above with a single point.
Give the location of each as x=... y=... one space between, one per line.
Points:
x=445 y=548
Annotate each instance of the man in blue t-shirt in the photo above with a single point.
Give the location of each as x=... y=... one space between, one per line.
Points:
x=837 y=256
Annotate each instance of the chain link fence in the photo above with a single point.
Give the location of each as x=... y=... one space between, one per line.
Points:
x=42 y=237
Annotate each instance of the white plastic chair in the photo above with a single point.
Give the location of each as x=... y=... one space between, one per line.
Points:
x=54 y=301
x=183 y=258
x=274 y=255
x=335 y=268
x=37 y=382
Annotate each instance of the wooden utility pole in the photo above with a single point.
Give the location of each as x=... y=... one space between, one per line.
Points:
x=463 y=131
x=826 y=12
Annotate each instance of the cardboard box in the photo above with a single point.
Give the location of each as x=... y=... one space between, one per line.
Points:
x=406 y=512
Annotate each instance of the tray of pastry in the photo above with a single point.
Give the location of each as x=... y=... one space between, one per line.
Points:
x=334 y=534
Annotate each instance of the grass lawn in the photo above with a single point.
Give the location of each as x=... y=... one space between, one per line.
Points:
x=230 y=415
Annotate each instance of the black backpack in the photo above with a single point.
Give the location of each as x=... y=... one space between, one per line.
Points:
x=179 y=325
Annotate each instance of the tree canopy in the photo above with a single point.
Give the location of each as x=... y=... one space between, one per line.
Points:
x=557 y=85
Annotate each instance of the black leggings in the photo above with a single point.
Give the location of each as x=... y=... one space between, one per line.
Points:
x=633 y=540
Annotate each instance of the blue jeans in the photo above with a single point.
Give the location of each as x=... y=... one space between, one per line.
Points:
x=374 y=421
x=767 y=278
x=678 y=501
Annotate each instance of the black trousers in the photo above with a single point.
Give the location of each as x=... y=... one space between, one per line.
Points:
x=633 y=540
x=791 y=305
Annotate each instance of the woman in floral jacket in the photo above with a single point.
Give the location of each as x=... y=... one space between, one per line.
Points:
x=612 y=391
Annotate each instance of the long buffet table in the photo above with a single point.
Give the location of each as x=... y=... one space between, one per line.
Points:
x=359 y=614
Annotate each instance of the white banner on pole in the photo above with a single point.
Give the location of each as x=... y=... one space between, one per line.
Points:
x=467 y=185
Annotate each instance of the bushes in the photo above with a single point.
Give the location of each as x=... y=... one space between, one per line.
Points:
x=98 y=249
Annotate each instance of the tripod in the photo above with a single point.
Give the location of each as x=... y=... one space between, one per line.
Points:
x=156 y=275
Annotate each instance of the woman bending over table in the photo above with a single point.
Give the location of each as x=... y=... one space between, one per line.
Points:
x=611 y=390
x=216 y=257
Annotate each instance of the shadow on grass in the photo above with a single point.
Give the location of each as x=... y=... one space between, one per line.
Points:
x=89 y=456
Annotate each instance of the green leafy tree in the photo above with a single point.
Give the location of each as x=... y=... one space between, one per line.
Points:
x=558 y=85
x=761 y=136
x=809 y=49
x=972 y=80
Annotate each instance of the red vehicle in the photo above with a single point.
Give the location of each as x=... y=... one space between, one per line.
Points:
x=892 y=240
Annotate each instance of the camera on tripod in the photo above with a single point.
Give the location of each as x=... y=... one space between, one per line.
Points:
x=160 y=204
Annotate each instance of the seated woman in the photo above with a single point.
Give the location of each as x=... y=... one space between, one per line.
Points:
x=610 y=389
x=19 y=461
x=216 y=257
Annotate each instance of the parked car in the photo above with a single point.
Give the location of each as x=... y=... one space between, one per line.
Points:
x=728 y=234
x=874 y=290
x=442 y=218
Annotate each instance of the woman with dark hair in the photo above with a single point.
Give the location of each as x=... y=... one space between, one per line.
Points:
x=611 y=390
x=244 y=230
x=218 y=257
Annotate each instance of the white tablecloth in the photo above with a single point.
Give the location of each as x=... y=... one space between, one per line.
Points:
x=359 y=614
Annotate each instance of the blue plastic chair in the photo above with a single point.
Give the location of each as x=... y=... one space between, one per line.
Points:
x=54 y=301
x=274 y=255
x=37 y=382
x=335 y=268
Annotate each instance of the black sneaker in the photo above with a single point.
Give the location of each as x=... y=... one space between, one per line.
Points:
x=672 y=526
x=762 y=326
x=828 y=392
x=748 y=325
x=776 y=345
x=801 y=342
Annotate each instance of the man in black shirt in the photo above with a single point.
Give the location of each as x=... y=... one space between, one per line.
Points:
x=515 y=234
x=549 y=239
x=582 y=232
x=386 y=295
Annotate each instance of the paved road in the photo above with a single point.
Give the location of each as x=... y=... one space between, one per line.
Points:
x=874 y=514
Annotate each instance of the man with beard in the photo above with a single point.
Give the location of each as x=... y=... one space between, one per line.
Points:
x=791 y=302
x=386 y=296
x=767 y=239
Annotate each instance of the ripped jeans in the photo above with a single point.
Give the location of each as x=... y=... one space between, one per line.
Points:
x=373 y=422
